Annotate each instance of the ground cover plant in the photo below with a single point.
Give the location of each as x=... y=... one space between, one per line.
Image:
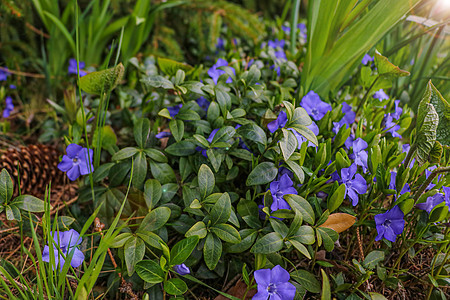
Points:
x=201 y=150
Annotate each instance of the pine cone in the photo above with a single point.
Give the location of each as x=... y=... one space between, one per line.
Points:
x=37 y=165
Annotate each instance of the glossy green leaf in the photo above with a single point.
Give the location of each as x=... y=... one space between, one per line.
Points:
x=134 y=250
x=6 y=186
x=155 y=219
x=175 y=286
x=212 y=250
x=198 y=229
x=158 y=81
x=270 y=243
x=152 y=192
x=102 y=81
x=226 y=233
x=29 y=203
x=307 y=280
x=150 y=271
x=221 y=211
x=170 y=67
x=386 y=68
x=182 y=250
x=205 y=181
x=263 y=173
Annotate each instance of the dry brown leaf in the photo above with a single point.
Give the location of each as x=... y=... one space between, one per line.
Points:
x=339 y=222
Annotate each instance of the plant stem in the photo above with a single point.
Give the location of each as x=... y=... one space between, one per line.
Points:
x=409 y=156
x=367 y=94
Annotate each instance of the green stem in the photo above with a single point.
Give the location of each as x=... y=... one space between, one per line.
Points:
x=294 y=20
x=409 y=156
x=367 y=94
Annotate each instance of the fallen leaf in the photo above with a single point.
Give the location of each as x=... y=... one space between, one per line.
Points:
x=339 y=222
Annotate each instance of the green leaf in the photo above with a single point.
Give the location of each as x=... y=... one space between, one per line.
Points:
x=175 y=286
x=306 y=132
x=373 y=258
x=150 y=271
x=326 y=290
x=307 y=280
x=177 y=128
x=301 y=248
x=248 y=237
x=124 y=153
x=337 y=198
x=301 y=117
x=102 y=81
x=226 y=233
x=182 y=250
x=155 y=155
x=328 y=236
x=12 y=213
x=299 y=203
x=170 y=67
x=298 y=171
x=29 y=203
x=162 y=172
x=435 y=153
x=270 y=243
x=134 y=250
x=139 y=170
x=296 y=223
x=198 y=229
x=428 y=121
x=150 y=238
x=205 y=181
x=304 y=235
x=158 y=81
x=221 y=211
x=212 y=250
x=121 y=239
x=6 y=186
x=155 y=219
x=152 y=192
x=224 y=134
x=386 y=68
x=288 y=144
x=254 y=133
x=183 y=148
x=141 y=131
x=263 y=173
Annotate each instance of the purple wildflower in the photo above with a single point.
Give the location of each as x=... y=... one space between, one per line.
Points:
x=354 y=183
x=9 y=107
x=203 y=103
x=390 y=224
x=209 y=139
x=398 y=110
x=215 y=73
x=220 y=44
x=431 y=202
x=163 y=134
x=393 y=186
x=360 y=156
x=280 y=122
x=391 y=126
x=380 y=95
x=67 y=241
x=405 y=149
x=280 y=55
x=73 y=67
x=366 y=59
x=349 y=114
x=447 y=195
x=182 y=269
x=174 y=110
x=274 y=284
x=12 y=86
x=276 y=44
x=76 y=163
x=4 y=74
x=315 y=107
x=303 y=29
x=280 y=188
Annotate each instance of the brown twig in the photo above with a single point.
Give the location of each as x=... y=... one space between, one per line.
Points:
x=19 y=73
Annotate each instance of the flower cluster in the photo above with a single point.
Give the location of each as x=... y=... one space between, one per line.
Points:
x=73 y=69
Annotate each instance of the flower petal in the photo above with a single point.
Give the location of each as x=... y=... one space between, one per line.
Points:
x=263 y=277
x=77 y=258
x=74 y=173
x=286 y=290
x=353 y=195
x=72 y=150
x=279 y=275
x=261 y=295
x=70 y=238
x=66 y=164
x=359 y=184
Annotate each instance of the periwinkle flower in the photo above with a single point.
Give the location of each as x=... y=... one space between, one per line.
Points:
x=431 y=202
x=274 y=284
x=277 y=69
x=181 y=269
x=349 y=114
x=380 y=95
x=73 y=67
x=303 y=29
x=215 y=73
x=280 y=55
x=393 y=186
x=276 y=44
x=398 y=110
x=359 y=155
x=300 y=138
x=390 y=224
x=4 y=74
x=209 y=139
x=391 y=126
x=366 y=59
x=315 y=107
x=77 y=161
x=405 y=149
x=280 y=122
x=12 y=86
x=280 y=188
x=203 y=103
x=174 y=110
x=446 y=195
x=354 y=183
x=286 y=29
x=427 y=174
x=9 y=107
x=67 y=241
x=163 y=134
x=220 y=44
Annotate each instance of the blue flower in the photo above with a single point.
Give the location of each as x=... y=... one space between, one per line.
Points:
x=174 y=110
x=286 y=29
x=203 y=103
x=280 y=188
x=181 y=269
x=366 y=59
x=391 y=126
x=300 y=138
x=280 y=55
x=209 y=139
x=12 y=86
x=349 y=115
x=4 y=74
x=393 y=186
x=276 y=44
x=280 y=122
x=354 y=184
x=67 y=241
x=405 y=149
x=9 y=107
x=274 y=284
x=215 y=73
x=303 y=29
x=431 y=202
x=73 y=67
x=277 y=69
x=380 y=95
x=163 y=134
x=390 y=224
x=315 y=107
x=398 y=110
x=220 y=44
x=359 y=155
x=76 y=163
